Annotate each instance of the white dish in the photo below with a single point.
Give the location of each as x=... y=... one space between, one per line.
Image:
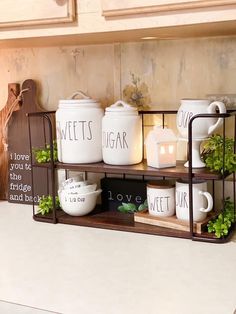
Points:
x=78 y=204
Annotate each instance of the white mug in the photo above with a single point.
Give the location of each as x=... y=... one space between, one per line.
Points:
x=202 y=200
x=161 y=198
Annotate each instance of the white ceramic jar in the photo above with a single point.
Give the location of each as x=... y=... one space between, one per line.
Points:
x=121 y=135
x=79 y=130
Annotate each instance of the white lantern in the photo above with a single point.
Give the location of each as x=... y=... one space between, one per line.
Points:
x=161 y=148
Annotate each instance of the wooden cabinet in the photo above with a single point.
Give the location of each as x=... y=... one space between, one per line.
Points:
x=109 y=21
x=113 y=8
x=172 y=18
x=15 y=13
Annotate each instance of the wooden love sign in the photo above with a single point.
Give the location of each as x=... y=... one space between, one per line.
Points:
x=19 y=167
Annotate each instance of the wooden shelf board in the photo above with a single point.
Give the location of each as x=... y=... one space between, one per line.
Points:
x=114 y=220
x=142 y=169
x=121 y=222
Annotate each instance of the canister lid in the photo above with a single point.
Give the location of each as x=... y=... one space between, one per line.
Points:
x=74 y=102
x=121 y=107
x=161 y=184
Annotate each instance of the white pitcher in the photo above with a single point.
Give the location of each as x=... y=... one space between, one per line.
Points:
x=202 y=127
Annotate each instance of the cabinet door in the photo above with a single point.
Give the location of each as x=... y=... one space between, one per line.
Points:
x=113 y=8
x=17 y=13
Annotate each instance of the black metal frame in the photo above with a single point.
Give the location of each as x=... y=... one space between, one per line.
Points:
x=53 y=219
x=190 y=139
x=46 y=117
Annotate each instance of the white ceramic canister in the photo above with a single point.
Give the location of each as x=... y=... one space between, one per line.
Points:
x=121 y=135
x=161 y=198
x=79 y=130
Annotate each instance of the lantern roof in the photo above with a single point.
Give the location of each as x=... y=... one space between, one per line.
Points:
x=161 y=135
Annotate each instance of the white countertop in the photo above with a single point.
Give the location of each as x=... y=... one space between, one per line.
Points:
x=71 y=269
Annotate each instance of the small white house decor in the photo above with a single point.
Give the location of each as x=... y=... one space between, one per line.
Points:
x=161 y=148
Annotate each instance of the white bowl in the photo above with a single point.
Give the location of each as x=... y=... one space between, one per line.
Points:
x=74 y=185
x=83 y=189
x=80 y=189
x=71 y=181
x=78 y=204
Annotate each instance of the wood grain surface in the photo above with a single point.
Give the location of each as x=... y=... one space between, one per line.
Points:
x=5 y=119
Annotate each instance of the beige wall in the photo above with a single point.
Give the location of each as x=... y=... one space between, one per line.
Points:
x=182 y=68
x=172 y=69
x=60 y=71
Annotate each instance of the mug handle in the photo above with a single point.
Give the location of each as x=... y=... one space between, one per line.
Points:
x=209 y=202
x=212 y=109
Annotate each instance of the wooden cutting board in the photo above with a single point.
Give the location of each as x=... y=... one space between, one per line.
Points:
x=12 y=104
x=20 y=181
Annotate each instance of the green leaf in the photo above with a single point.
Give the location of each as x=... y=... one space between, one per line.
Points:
x=43 y=155
x=46 y=204
x=213 y=154
x=222 y=223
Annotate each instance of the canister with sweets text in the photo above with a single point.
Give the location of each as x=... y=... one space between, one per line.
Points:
x=79 y=130
x=121 y=135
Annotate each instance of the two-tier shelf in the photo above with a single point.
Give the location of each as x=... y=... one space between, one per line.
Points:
x=102 y=218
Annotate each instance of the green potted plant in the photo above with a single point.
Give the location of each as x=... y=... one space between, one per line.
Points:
x=46 y=204
x=222 y=223
x=43 y=155
x=218 y=156
x=132 y=208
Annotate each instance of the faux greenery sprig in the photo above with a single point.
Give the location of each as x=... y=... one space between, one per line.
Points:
x=213 y=154
x=46 y=204
x=132 y=208
x=222 y=223
x=42 y=155
x=137 y=94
